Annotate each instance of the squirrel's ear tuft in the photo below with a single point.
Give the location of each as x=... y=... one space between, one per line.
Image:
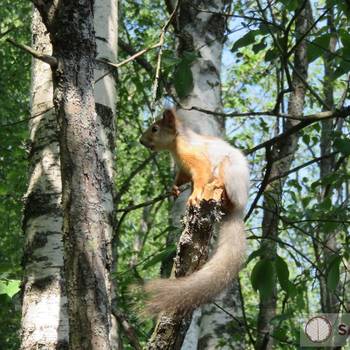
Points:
x=169 y=118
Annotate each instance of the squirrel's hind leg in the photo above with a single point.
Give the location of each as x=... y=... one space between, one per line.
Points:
x=201 y=175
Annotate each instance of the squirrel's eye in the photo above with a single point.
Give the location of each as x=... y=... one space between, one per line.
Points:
x=155 y=128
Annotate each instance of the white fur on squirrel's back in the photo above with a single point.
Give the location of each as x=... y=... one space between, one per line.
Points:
x=200 y=287
x=236 y=170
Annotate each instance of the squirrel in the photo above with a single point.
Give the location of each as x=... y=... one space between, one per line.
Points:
x=201 y=160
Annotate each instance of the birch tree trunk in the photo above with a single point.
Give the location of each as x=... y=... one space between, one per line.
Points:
x=201 y=32
x=204 y=31
x=106 y=28
x=44 y=305
x=218 y=330
x=282 y=155
x=329 y=303
x=87 y=175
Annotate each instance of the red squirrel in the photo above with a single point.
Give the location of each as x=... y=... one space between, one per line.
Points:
x=201 y=160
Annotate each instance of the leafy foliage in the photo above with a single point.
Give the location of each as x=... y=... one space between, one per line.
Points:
x=14 y=106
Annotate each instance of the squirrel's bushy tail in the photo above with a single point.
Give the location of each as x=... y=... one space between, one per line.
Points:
x=201 y=286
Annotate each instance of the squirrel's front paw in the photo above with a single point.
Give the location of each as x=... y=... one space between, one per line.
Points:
x=175 y=191
x=195 y=198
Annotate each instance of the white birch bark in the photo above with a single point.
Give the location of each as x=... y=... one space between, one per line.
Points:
x=106 y=28
x=217 y=328
x=44 y=312
x=203 y=32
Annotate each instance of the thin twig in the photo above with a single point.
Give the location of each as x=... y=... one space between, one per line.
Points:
x=251 y=338
x=26 y=119
x=310 y=119
x=145 y=204
x=243 y=114
x=306 y=84
x=299 y=167
x=51 y=60
x=124 y=187
x=307 y=32
x=129 y=59
x=160 y=53
x=140 y=60
x=264 y=183
x=128 y=329
x=253 y=328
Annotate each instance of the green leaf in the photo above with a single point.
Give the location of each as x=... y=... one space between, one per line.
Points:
x=183 y=78
x=330 y=226
x=283 y=274
x=300 y=299
x=306 y=139
x=343 y=146
x=343 y=68
x=5 y=267
x=247 y=39
x=160 y=256
x=333 y=274
x=326 y=204
x=254 y=255
x=9 y=287
x=318 y=47
x=280 y=318
x=271 y=55
x=260 y=46
x=345 y=39
x=290 y=5
x=262 y=277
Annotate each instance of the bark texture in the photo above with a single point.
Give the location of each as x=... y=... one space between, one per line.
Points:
x=86 y=173
x=202 y=32
x=106 y=28
x=329 y=302
x=192 y=253
x=282 y=156
x=217 y=328
x=44 y=305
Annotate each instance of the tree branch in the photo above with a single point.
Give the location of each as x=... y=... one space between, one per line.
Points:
x=129 y=59
x=51 y=60
x=124 y=187
x=140 y=60
x=159 y=60
x=310 y=119
x=192 y=253
x=264 y=182
x=272 y=113
x=128 y=329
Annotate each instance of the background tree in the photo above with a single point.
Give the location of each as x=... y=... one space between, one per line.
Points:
x=279 y=160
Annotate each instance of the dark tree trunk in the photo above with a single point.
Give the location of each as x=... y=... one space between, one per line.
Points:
x=282 y=155
x=87 y=184
x=329 y=302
